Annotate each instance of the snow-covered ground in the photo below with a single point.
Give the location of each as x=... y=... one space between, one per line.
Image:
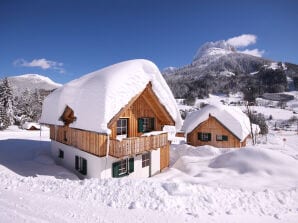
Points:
x=203 y=184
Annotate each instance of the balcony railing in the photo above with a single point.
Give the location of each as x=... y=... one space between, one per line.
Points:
x=137 y=145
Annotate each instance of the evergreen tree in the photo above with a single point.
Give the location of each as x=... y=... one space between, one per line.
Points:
x=6 y=104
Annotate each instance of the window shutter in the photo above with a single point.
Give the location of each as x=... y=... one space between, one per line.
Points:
x=209 y=136
x=200 y=136
x=131 y=165
x=76 y=162
x=140 y=125
x=152 y=124
x=115 y=169
x=84 y=170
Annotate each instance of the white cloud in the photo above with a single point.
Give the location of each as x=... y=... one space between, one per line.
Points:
x=242 y=40
x=41 y=63
x=254 y=52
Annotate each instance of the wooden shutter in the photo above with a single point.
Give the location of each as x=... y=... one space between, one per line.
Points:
x=140 y=125
x=76 y=162
x=84 y=170
x=200 y=136
x=115 y=169
x=152 y=120
x=209 y=136
x=131 y=165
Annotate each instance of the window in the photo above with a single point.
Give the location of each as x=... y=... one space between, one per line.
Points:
x=146 y=124
x=221 y=138
x=122 y=127
x=204 y=136
x=81 y=165
x=145 y=159
x=61 y=154
x=123 y=167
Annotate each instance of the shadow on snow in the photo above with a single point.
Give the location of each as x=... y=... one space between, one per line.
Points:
x=30 y=158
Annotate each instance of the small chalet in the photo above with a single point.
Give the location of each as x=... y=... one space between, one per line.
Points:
x=109 y=123
x=219 y=126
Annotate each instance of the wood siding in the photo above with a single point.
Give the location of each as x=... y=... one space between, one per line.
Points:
x=164 y=156
x=87 y=141
x=215 y=128
x=146 y=105
x=137 y=145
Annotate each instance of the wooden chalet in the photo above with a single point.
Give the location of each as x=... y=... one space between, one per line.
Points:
x=218 y=126
x=134 y=143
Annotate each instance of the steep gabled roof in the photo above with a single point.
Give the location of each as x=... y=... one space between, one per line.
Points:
x=97 y=97
x=230 y=117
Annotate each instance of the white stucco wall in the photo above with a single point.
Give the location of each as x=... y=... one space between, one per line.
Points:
x=155 y=162
x=101 y=167
x=97 y=167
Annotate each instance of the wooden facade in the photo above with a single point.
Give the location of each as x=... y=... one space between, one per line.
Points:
x=144 y=105
x=165 y=156
x=216 y=130
x=91 y=142
x=137 y=145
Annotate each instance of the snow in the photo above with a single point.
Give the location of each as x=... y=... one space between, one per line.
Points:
x=231 y=117
x=211 y=49
x=31 y=81
x=98 y=96
x=203 y=184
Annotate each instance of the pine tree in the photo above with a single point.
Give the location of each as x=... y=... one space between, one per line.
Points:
x=6 y=105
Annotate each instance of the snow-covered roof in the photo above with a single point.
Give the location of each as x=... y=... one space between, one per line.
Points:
x=231 y=117
x=29 y=125
x=98 y=96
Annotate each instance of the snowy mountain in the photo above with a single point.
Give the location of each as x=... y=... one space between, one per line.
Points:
x=218 y=67
x=31 y=81
x=211 y=50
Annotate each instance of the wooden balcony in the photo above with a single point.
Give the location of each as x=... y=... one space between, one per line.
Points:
x=137 y=145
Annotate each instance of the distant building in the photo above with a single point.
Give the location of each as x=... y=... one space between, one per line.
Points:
x=219 y=126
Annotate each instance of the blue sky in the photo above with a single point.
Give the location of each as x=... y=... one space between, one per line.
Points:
x=65 y=39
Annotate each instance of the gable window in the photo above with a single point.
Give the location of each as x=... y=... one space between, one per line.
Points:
x=146 y=124
x=204 y=136
x=123 y=167
x=145 y=160
x=122 y=128
x=81 y=165
x=61 y=154
x=221 y=138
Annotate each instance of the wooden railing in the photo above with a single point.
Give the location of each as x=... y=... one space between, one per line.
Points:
x=137 y=145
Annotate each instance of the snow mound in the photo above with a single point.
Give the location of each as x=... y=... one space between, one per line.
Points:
x=231 y=117
x=257 y=161
x=105 y=92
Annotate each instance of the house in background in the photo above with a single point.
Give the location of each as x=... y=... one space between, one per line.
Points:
x=109 y=123
x=217 y=125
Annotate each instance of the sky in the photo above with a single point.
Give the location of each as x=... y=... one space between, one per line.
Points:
x=65 y=39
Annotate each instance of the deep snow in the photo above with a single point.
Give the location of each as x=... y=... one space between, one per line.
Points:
x=203 y=184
